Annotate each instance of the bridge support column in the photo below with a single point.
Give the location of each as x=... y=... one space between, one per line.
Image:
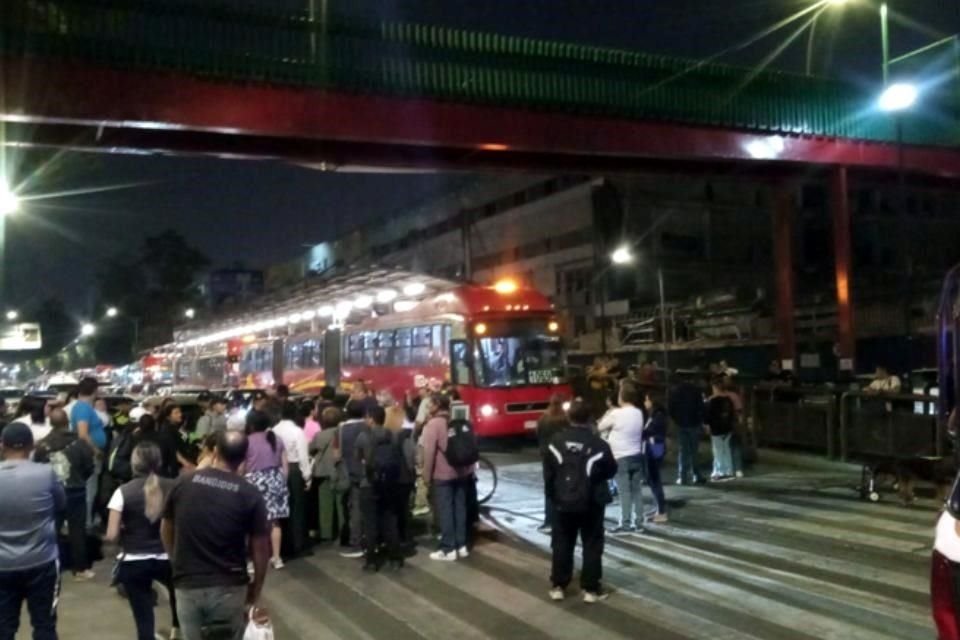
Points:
x=783 y=214
x=840 y=213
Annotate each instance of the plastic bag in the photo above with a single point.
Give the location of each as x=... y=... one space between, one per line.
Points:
x=256 y=631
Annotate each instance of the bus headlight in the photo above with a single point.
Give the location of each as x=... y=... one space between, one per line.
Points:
x=488 y=411
x=566 y=405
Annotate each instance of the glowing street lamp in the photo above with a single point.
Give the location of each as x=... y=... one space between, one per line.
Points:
x=87 y=330
x=112 y=312
x=898 y=97
x=12 y=315
x=9 y=201
x=190 y=314
x=622 y=255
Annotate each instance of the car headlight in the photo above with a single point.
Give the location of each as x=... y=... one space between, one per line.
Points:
x=488 y=410
x=566 y=406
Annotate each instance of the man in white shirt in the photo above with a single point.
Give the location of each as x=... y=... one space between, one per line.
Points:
x=295 y=444
x=623 y=428
x=884 y=382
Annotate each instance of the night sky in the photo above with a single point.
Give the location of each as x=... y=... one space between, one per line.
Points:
x=260 y=213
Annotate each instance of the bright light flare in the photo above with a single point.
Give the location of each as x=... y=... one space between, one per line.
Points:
x=505 y=286
x=9 y=201
x=385 y=296
x=363 y=302
x=12 y=315
x=414 y=289
x=113 y=312
x=898 y=97
x=190 y=314
x=87 y=330
x=622 y=255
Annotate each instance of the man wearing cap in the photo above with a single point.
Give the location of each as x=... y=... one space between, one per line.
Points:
x=30 y=497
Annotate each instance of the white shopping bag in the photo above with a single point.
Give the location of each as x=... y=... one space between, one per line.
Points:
x=256 y=631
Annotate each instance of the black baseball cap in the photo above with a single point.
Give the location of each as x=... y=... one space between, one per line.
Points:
x=17 y=435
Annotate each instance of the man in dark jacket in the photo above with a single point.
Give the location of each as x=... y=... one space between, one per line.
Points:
x=577 y=475
x=349 y=432
x=72 y=460
x=687 y=410
x=381 y=455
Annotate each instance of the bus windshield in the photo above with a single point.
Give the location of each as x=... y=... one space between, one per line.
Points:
x=513 y=361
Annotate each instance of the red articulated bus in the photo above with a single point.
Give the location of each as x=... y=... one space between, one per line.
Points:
x=499 y=346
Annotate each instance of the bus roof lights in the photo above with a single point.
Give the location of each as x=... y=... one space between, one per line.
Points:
x=414 y=289
x=294 y=318
x=343 y=308
x=386 y=296
x=308 y=315
x=363 y=302
x=325 y=311
x=404 y=305
x=505 y=286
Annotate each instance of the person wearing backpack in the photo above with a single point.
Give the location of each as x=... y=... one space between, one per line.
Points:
x=72 y=459
x=720 y=420
x=577 y=474
x=380 y=453
x=450 y=455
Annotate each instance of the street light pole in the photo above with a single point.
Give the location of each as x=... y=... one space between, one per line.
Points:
x=663 y=330
x=885 y=38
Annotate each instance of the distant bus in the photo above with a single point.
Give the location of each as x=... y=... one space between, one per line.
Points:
x=499 y=347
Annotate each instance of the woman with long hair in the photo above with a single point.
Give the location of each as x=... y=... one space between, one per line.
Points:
x=552 y=422
x=655 y=448
x=174 y=428
x=134 y=520
x=396 y=418
x=267 y=470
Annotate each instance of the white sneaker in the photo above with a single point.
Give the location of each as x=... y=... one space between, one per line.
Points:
x=250 y=569
x=556 y=594
x=590 y=597
x=420 y=511
x=463 y=552
x=277 y=563
x=84 y=576
x=440 y=554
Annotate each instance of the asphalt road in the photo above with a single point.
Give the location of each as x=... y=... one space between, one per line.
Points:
x=785 y=554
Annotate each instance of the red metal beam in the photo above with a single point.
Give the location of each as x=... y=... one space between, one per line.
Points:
x=840 y=208
x=783 y=264
x=44 y=91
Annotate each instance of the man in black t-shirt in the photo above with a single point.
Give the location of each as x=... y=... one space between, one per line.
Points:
x=207 y=519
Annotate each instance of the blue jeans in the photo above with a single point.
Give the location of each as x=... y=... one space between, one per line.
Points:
x=687 y=458
x=219 y=608
x=450 y=501
x=40 y=587
x=722 y=458
x=630 y=474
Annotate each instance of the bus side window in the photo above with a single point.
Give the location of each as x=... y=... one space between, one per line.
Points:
x=460 y=359
x=402 y=347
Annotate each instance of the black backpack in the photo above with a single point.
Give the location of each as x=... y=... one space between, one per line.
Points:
x=572 y=490
x=462 y=449
x=386 y=462
x=119 y=462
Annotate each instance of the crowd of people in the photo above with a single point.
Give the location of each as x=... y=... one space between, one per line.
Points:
x=206 y=509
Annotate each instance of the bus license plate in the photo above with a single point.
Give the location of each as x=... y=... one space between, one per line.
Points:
x=530 y=424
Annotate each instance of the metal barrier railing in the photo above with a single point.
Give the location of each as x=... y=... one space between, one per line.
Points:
x=795 y=416
x=889 y=426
